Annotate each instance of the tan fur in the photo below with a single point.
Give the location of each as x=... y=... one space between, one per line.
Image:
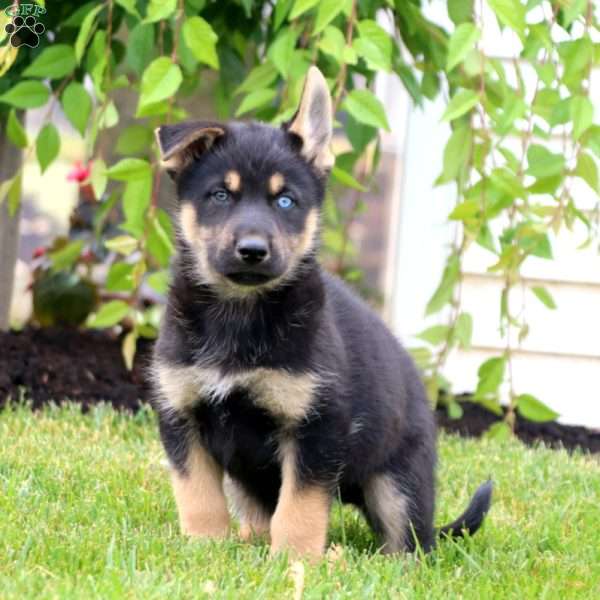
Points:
x=201 y=503
x=285 y=395
x=315 y=132
x=180 y=155
x=303 y=243
x=254 y=521
x=389 y=505
x=301 y=518
x=276 y=183
x=197 y=236
x=233 y=181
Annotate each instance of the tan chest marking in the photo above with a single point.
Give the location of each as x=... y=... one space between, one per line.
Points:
x=284 y=395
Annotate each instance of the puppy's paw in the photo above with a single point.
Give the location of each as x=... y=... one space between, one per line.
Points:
x=211 y=526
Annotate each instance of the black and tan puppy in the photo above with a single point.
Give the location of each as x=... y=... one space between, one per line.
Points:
x=269 y=371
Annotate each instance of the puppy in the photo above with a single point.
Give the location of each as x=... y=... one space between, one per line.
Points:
x=269 y=370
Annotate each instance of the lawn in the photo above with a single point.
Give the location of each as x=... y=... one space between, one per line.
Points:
x=86 y=512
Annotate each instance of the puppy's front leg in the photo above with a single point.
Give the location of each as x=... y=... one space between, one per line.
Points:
x=197 y=478
x=199 y=495
x=301 y=518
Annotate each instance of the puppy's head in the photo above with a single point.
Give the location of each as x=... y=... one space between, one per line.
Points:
x=249 y=194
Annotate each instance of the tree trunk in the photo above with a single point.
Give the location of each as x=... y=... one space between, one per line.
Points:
x=10 y=161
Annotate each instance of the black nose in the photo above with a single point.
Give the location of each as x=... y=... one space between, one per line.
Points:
x=252 y=250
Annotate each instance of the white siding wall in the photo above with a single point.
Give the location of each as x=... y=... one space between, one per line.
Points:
x=559 y=361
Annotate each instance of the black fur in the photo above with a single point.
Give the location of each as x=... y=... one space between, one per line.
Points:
x=370 y=415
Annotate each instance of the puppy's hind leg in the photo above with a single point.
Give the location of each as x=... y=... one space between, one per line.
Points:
x=254 y=519
x=387 y=510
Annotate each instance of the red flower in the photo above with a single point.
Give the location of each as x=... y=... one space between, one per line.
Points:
x=39 y=251
x=79 y=173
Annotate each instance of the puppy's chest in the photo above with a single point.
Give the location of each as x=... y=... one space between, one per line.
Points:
x=284 y=395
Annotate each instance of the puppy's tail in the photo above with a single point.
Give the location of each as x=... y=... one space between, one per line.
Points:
x=470 y=521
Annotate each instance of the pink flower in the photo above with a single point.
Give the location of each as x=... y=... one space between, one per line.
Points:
x=79 y=173
x=39 y=251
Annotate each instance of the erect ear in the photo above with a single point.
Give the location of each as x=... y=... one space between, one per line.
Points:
x=313 y=121
x=180 y=144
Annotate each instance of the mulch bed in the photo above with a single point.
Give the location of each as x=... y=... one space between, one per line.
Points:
x=54 y=365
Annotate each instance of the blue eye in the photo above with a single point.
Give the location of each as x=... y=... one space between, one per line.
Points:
x=285 y=202
x=221 y=196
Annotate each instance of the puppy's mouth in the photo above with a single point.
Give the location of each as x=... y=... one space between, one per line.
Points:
x=249 y=278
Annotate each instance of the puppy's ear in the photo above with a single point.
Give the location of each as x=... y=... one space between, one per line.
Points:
x=313 y=122
x=180 y=144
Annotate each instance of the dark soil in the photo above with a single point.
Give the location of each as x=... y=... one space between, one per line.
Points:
x=55 y=365
x=476 y=420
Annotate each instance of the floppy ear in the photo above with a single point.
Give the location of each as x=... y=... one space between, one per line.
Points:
x=313 y=121
x=180 y=144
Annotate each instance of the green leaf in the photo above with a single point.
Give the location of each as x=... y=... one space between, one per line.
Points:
x=255 y=100
x=463 y=40
x=15 y=132
x=119 y=278
x=98 y=177
x=123 y=244
x=332 y=42
x=129 y=6
x=259 y=78
x=77 y=106
x=328 y=10
x=460 y=11
x=85 y=32
x=159 y=281
x=136 y=200
x=374 y=45
x=463 y=330
x=544 y=296
x=459 y=104
x=47 y=146
x=140 y=47
x=533 y=409
x=468 y=209
x=491 y=375
x=135 y=139
x=445 y=290
x=11 y=189
x=109 y=314
x=160 y=81
x=26 y=94
x=366 y=108
x=128 y=169
x=456 y=154
x=65 y=257
x=347 y=179
x=159 y=241
x=499 y=431
x=434 y=335
x=159 y=10
x=201 y=40
x=301 y=6
x=281 y=51
x=587 y=170
x=54 y=62
x=543 y=163
x=510 y=13
x=582 y=114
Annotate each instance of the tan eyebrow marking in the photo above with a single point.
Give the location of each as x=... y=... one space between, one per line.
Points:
x=233 y=181
x=276 y=183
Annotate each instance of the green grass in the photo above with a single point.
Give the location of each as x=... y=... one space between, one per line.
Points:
x=86 y=512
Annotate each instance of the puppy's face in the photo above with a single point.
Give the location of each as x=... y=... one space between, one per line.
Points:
x=250 y=194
